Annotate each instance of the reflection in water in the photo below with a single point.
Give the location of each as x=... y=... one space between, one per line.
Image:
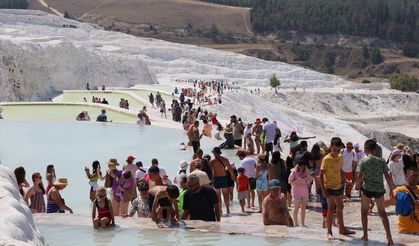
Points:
x=63 y=235
x=103 y=237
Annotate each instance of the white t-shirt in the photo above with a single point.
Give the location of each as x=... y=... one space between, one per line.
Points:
x=140 y=174
x=348 y=157
x=396 y=169
x=270 y=129
x=249 y=165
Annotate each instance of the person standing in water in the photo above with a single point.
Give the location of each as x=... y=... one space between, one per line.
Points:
x=194 y=136
x=36 y=194
x=50 y=177
x=55 y=203
x=219 y=167
x=94 y=178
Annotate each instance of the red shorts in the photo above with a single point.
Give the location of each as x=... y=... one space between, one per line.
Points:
x=349 y=176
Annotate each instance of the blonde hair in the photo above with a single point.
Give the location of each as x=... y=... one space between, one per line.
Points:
x=101 y=190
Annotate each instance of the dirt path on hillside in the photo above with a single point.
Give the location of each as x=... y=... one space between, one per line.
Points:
x=43 y=3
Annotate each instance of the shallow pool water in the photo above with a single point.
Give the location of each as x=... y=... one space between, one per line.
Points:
x=72 y=146
x=59 y=112
x=74 y=235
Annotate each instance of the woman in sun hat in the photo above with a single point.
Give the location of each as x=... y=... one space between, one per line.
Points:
x=55 y=203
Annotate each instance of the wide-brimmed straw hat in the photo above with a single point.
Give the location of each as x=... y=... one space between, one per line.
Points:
x=113 y=162
x=61 y=182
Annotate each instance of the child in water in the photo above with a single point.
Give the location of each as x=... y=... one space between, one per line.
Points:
x=94 y=178
x=103 y=206
x=140 y=204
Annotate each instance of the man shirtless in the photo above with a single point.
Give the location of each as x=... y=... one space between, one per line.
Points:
x=219 y=165
x=162 y=198
x=274 y=207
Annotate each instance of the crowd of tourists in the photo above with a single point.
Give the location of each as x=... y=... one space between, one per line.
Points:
x=201 y=186
x=204 y=186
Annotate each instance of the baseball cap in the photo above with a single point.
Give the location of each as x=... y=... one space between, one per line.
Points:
x=356 y=145
x=130 y=158
x=274 y=183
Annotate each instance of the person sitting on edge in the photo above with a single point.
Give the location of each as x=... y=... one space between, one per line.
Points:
x=163 y=198
x=200 y=202
x=409 y=224
x=332 y=181
x=103 y=206
x=102 y=117
x=274 y=206
x=370 y=172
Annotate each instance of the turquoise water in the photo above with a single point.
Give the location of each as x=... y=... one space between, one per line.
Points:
x=72 y=146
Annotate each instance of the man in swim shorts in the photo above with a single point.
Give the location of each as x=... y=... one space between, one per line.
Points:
x=221 y=167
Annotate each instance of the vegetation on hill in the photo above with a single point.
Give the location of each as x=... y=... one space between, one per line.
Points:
x=393 y=20
x=404 y=82
x=13 y=4
x=241 y=3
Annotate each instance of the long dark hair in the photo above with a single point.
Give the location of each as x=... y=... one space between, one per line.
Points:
x=41 y=185
x=20 y=174
x=95 y=166
x=276 y=157
x=49 y=167
x=316 y=154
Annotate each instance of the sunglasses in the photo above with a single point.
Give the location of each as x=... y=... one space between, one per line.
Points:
x=39 y=177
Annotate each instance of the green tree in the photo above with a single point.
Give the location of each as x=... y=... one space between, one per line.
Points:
x=376 y=57
x=404 y=82
x=274 y=82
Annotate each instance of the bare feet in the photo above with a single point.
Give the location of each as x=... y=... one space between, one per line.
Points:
x=345 y=231
x=330 y=237
x=390 y=241
x=296 y=225
x=364 y=238
x=303 y=226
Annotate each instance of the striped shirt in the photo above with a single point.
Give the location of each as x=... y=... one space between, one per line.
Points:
x=270 y=129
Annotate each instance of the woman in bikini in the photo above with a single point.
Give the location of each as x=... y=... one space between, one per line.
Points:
x=36 y=194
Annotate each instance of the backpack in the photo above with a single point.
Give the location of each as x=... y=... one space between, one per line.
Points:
x=405 y=204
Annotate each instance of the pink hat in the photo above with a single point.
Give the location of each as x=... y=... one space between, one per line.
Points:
x=396 y=152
